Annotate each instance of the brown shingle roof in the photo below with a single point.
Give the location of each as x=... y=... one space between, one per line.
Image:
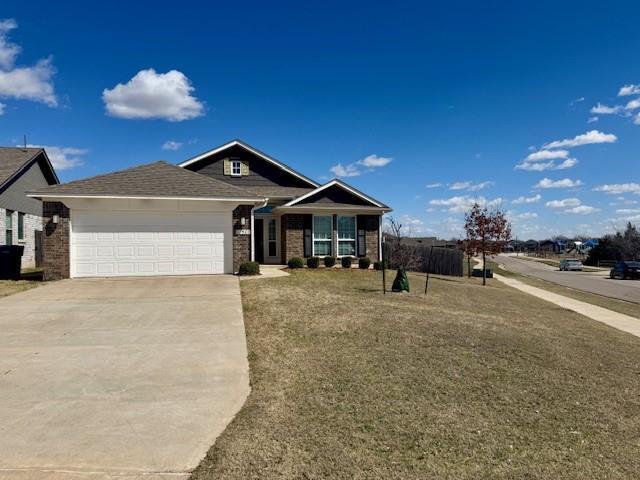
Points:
x=158 y=179
x=13 y=158
x=278 y=191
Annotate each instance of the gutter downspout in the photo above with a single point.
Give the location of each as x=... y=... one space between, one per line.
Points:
x=253 y=243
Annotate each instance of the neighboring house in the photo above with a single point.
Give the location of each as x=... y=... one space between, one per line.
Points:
x=21 y=170
x=207 y=215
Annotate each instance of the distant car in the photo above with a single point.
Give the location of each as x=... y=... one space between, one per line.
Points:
x=567 y=264
x=625 y=269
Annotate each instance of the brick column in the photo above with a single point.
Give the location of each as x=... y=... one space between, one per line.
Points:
x=370 y=224
x=55 y=241
x=241 y=243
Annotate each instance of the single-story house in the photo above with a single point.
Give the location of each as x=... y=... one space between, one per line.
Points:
x=206 y=215
x=22 y=170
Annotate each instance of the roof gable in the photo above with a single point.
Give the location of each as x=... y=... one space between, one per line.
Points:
x=303 y=180
x=15 y=161
x=153 y=180
x=336 y=192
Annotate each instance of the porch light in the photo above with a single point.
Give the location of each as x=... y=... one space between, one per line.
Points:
x=243 y=221
x=55 y=219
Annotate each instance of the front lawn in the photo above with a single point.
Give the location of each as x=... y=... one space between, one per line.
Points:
x=467 y=383
x=8 y=287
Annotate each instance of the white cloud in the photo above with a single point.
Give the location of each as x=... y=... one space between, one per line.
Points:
x=601 y=109
x=521 y=200
x=340 y=170
x=567 y=202
x=23 y=83
x=629 y=90
x=636 y=119
x=461 y=204
x=619 y=188
x=550 y=165
x=433 y=185
x=592 y=119
x=527 y=215
x=64 y=158
x=633 y=104
x=582 y=210
x=546 y=155
x=171 y=145
x=564 y=183
x=148 y=94
x=2 y=107
x=8 y=51
x=470 y=186
x=628 y=211
x=374 y=161
x=590 y=137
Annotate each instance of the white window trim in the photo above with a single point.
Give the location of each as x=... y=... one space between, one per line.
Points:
x=354 y=240
x=233 y=165
x=313 y=237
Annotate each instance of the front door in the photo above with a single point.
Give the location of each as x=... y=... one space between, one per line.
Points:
x=258 y=227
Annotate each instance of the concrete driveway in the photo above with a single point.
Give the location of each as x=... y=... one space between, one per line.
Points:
x=126 y=378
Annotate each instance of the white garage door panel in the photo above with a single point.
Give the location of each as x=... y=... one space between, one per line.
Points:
x=150 y=243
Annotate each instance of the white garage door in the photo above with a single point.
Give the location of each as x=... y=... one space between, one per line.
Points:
x=138 y=243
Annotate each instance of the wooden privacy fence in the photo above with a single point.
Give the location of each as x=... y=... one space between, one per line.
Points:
x=444 y=261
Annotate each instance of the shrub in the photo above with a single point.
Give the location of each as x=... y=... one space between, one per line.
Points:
x=379 y=265
x=363 y=263
x=329 y=261
x=295 y=262
x=313 y=262
x=249 y=268
x=346 y=262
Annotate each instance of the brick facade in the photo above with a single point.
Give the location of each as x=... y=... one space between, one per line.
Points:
x=241 y=243
x=55 y=241
x=292 y=225
x=32 y=223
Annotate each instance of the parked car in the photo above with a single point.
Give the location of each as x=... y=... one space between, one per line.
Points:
x=567 y=264
x=625 y=269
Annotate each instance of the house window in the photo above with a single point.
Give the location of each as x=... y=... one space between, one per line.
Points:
x=20 y=226
x=8 y=227
x=271 y=232
x=236 y=168
x=346 y=236
x=322 y=229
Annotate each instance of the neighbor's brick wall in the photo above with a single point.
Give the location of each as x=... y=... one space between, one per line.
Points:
x=293 y=236
x=55 y=241
x=241 y=243
x=31 y=224
x=371 y=224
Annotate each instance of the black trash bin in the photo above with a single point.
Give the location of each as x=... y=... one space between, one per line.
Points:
x=10 y=260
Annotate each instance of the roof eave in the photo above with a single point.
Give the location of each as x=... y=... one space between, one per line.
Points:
x=41 y=195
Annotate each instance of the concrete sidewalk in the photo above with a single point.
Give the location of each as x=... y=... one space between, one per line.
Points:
x=617 y=320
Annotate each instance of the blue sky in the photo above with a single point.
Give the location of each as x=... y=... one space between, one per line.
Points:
x=425 y=105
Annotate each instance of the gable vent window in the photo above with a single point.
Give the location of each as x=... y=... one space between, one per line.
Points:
x=236 y=168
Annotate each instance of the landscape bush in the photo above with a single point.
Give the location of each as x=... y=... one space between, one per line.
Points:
x=313 y=262
x=249 y=268
x=364 y=263
x=329 y=261
x=295 y=262
x=346 y=262
x=378 y=265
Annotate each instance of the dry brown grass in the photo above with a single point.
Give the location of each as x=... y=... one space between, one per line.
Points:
x=9 y=287
x=468 y=383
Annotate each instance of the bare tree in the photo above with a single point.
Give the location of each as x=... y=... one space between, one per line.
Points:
x=488 y=230
x=401 y=255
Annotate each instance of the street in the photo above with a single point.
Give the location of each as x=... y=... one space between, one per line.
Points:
x=594 y=282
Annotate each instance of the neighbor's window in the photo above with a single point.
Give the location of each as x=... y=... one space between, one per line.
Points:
x=236 y=168
x=322 y=228
x=20 y=226
x=8 y=227
x=346 y=236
